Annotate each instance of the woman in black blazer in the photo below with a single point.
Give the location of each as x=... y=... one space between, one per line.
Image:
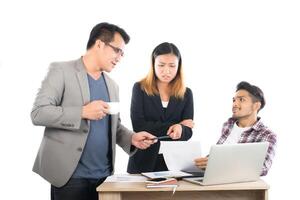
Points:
x=161 y=105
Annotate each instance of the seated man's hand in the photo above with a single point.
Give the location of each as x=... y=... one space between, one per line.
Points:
x=142 y=140
x=201 y=162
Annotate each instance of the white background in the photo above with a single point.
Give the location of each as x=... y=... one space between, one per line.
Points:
x=222 y=43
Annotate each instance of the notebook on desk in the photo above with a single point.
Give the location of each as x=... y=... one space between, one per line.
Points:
x=166 y=174
x=230 y=163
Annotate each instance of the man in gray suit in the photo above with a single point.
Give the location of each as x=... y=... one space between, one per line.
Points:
x=77 y=152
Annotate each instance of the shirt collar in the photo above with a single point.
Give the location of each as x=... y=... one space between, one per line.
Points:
x=257 y=126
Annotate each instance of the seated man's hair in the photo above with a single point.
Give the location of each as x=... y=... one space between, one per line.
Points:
x=255 y=92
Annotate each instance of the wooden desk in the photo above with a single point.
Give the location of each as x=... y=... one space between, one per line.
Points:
x=138 y=191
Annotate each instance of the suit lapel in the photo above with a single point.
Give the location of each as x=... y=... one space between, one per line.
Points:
x=113 y=96
x=112 y=93
x=171 y=106
x=83 y=81
x=157 y=104
x=173 y=102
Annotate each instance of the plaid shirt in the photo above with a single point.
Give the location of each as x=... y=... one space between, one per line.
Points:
x=257 y=133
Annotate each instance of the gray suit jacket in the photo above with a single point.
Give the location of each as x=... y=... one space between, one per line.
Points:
x=58 y=107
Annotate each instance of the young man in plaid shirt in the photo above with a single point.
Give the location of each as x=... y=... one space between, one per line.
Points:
x=245 y=126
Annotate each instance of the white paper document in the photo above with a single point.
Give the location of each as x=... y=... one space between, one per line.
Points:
x=126 y=178
x=180 y=155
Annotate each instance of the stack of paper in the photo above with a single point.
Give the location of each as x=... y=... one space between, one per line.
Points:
x=126 y=178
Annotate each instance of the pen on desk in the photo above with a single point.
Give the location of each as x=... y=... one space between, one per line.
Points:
x=161 y=137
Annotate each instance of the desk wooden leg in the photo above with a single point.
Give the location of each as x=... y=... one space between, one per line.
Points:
x=266 y=196
x=110 y=196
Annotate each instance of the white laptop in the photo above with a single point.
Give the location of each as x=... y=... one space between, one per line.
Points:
x=230 y=163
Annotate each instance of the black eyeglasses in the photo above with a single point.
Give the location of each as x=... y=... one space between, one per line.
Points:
x=116 y=49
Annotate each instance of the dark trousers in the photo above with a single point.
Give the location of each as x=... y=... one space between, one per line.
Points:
x=77 y=189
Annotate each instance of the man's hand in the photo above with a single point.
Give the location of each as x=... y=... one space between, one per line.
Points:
x=188 y=122
x=201 y=162
x=175 y=131
x=94 y=110
x=142 y=140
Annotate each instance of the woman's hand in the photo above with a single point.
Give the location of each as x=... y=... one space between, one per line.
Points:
x=175 y=131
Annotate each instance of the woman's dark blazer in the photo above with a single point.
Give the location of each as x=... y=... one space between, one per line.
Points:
x=147 y=114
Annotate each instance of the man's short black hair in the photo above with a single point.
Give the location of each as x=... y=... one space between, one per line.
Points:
x=105 y=32
x=255 y=92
